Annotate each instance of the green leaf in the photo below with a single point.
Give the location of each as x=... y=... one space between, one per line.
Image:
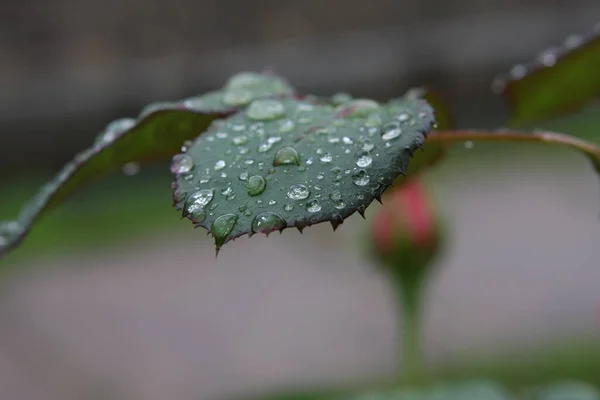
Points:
x=159 y=131
x=560 y=80
x=293 y=163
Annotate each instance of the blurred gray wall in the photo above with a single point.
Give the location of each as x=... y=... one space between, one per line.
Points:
x=67 y=67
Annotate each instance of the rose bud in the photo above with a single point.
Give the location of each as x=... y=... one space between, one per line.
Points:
x=406 y=232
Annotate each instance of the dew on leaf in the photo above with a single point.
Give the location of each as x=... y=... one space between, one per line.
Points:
x=244 y=80
x=335 y=195
x=237 y=97
x=222 y=227
x=265 y=109
x=244 y=150
x=309 y=161
x=223 y=174
x=313 y=206
x=403 y=116
x=249 y=161
x=243 y=176
x=347 y=140
x=240 y=140
x=272 y=202
x=219 y=165
x=267 y=222
x=366 y=144
x=390 y=131
x=256 y=185
x=360 y=177
x=363 y=158
x=341 y=98
x=227 y=191
x=357 y=108
x=231 y=196
x=198 y=200
x=131 y=168
x=339 y=203
x=286 y=126
x=326 y=158
x=320 y=176
x=298 y=192
x=181 y=164
x=286 y=156
x=288 y=207
x=197 y=215
x=317 y=187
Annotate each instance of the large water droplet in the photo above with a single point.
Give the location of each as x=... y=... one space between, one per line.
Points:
x=197 y=215
x=237 y=97
x=360 y=177
x=298 y=192
x=268 y=222
x=325 y=158
x=363 y=158
x=244 y=80
x=222 y=227
x=256 y=185
x=357 y=108
x=366 y=144
x=286 y=156
x=265 y=109
x=390 y=131
x=219 y=165
x=198 y=200
x=181 y=164
x=313 y=206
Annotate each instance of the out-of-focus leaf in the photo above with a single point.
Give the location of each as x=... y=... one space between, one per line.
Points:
x=291 y=163
x=559 y=80
x=158 y=132
x=567 y=390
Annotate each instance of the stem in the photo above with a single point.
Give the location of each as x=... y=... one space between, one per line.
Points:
x=590 y=149
x=409 y=295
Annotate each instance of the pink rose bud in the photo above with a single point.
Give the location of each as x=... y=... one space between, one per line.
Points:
x=406 y=232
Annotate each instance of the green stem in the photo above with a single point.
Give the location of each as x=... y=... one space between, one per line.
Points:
x=409 y=297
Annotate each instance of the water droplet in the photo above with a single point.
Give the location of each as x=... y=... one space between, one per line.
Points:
x=9 y=230
x=366 y=144
x=223 y=174
x=238 y=127
x=259 y=201
x=548 y=58
x=286 y=156
x=469 y=144
x=237 y=97
x=265 y=109
x=360 y=177
x=221 y=135
x=573 y=41
x=334 y=140
x=198 y=200
x=272 y=202
x=181 y=164
x=347 y=140
x=227 y=191
x=357 y=108
x=518 y=71
x=288 y=207
x=271 y=171
x=390 y=131
x=256 y=185
x=131 y=168
x=249 y=161
x=219 y=165
x=363 y=158
x=335 y=195
x=247 y=213
x=244 y=150
x=320 y=176
x=197 y=215
x=205 y=179
x=309 y=161
x=341 y=98
x=298 y=192
x=244 y=80
x=287 y=126
x=326 y=158
x=243 y=176
x=267 y=222
x=313 y=206
x=239 y=140
x=222 y=227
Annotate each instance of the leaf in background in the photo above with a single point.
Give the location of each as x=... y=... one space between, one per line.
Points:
x=158 y=133
x=291 y=163
x=560 y=80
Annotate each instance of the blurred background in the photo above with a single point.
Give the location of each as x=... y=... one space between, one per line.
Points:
x=113 y=297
